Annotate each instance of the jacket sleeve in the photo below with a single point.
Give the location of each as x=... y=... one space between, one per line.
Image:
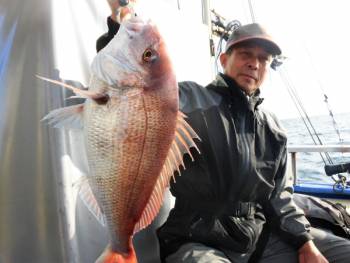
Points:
x=103 y=40
x=282 y=213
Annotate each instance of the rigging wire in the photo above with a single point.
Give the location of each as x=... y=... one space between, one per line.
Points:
x=251 y=9
x=178 y=5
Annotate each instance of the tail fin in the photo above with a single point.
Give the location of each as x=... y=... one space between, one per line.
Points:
x=109 y=256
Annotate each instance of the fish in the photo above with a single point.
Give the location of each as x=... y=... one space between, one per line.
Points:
x=134 y=133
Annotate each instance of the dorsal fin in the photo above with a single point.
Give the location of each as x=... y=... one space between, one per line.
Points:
x=182 y=143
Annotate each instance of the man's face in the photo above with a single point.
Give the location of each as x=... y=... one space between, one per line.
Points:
x=247 y=65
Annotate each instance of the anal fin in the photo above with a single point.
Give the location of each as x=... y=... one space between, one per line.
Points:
x=87 y=196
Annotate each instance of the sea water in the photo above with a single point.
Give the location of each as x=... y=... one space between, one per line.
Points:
x=310 y=166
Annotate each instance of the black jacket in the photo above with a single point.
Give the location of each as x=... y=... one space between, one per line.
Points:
x=103 y=40
x=242 y=164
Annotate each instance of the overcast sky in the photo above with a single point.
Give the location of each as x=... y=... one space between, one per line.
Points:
x=315 y=37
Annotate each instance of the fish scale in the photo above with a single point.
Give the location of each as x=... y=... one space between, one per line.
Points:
x=133 y=161
x=134 y=134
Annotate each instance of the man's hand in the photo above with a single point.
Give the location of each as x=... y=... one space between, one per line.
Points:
x=309 y=253
x=120 y=13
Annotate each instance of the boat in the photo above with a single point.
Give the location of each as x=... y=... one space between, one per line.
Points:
x=41 y=217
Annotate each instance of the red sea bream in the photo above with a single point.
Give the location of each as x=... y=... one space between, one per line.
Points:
x=135 y=136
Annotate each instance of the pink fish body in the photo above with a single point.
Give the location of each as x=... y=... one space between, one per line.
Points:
x=135 y=136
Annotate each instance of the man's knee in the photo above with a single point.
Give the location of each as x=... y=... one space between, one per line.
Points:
x=199 y=253
x=334 y=248
x=277 y=251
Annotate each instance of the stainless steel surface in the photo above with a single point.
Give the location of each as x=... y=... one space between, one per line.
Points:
x=294 y=149
x=319 y=148
x=206 y=14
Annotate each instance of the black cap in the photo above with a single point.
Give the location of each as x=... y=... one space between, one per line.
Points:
x=253 y=32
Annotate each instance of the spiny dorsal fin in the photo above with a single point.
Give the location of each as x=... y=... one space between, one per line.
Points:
x=182 y=143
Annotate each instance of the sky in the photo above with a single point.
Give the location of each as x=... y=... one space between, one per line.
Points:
x=315 y=38
x=313 y=35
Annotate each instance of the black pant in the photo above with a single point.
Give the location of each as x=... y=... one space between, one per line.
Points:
x=334 y=248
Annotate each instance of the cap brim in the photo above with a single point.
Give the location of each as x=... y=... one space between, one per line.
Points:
x=270 y=46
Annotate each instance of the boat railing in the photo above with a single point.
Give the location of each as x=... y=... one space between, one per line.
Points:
x=294 y=149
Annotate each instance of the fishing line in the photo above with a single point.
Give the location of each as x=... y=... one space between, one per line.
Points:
x=224 y=34
x=303 y=114
x=335 y=125
x=292 y=94
x=295 y=98
x=299 y=105
x=307 y=122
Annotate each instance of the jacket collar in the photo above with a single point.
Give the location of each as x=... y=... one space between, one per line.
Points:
x=229 y=89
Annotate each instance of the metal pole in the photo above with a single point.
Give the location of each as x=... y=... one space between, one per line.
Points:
x=206 y=12
x=294 y=166
x=206 y=19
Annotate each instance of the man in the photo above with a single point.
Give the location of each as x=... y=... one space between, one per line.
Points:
x=238 y=187
x=118 y=14
x=239 y=180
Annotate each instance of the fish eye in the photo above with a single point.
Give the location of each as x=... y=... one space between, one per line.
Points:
x=148 y=55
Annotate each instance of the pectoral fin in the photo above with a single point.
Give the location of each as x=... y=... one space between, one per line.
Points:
x=82 y=93
x=70 y=117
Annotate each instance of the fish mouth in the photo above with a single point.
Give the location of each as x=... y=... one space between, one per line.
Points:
x=134 y=24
